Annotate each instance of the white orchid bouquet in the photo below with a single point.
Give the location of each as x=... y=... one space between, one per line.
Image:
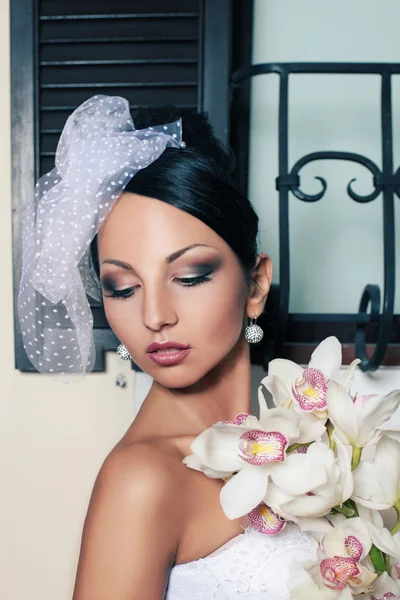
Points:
x=303 y=461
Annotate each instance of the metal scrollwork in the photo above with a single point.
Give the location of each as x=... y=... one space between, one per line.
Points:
x=334 y=155
x=385 y=181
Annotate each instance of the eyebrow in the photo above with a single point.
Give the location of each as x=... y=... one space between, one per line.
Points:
x=170 y=259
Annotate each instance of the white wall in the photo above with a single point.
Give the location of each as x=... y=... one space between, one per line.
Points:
x=53 y=437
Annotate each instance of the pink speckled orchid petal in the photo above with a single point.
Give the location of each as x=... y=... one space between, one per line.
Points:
x=337 y=571
x=264 y=519
x=310 y=390
x=238 y=420
x=354 y=547
x=258 y=447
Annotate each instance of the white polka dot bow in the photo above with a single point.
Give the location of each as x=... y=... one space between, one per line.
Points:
x=98 y=153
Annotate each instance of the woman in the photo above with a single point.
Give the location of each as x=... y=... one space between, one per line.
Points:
x=177 y=262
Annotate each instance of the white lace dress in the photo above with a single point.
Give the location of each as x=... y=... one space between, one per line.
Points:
x=251 y=566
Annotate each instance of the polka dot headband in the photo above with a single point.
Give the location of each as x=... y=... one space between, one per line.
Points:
x=98 y=153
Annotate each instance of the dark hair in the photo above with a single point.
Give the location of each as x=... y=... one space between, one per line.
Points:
x=197 y=179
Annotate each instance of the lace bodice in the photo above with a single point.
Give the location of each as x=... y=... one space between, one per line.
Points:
x=251 y=566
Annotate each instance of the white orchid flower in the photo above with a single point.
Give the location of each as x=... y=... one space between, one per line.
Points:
x=384 y=588
x=309 y=485
x=312 y=427
x=344 y=569
x=356 y=418
x=248 y=448
x=377 y=483
x=308 y=387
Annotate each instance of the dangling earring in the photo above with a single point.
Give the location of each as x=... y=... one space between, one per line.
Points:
x=123 y=352
x=253 y=333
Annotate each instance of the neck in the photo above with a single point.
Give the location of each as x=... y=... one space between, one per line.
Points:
x=219 y=396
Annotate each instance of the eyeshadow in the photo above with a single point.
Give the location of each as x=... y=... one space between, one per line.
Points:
x=108 y=283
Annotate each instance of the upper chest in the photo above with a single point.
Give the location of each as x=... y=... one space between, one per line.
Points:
x=206 y=526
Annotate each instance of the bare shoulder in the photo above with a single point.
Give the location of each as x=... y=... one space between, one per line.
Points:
x=133 y=525
x=140 y=469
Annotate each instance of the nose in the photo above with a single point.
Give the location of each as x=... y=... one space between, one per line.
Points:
x=158 y=310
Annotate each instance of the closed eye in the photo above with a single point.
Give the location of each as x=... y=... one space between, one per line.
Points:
x=123 y=294
x=192 y=281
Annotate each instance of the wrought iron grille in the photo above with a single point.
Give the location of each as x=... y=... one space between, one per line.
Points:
x=375 y=320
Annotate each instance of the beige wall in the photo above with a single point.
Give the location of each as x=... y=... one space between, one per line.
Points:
x=53 y=437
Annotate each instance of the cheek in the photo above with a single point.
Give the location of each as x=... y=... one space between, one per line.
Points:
x=214 y=316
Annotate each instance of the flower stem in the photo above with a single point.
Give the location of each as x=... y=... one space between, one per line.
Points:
x=347 y=511
x=355 y=461
x=396 y=528
x=377 y=559
x=386 y=558
x=330 y=430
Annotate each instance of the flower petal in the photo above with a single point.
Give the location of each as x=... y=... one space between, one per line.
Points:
x=393 y=432
x=264 y=519
x=344 y=464
x=307 y=506
x=310 y=390
x=327 y=357
x=337 y=570
x=367 y=490
x=284 y=420
x=375 y=411
x=347 y=379
x=193 y=462
x=286 y=370
x=300 y=473
x=281 y=395
x=369 y=515
x=315 y=525
x=238 y=420
x=342 y=413
x=383 y=539
x=311 y=428
x=276 y=498
x=244 y=491
x=257 y=447
x=384 y=588
x=217 y=447
x=387 y=468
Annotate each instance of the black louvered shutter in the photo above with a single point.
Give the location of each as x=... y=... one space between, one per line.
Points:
x=152 y=52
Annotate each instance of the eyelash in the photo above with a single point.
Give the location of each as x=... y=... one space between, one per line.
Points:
x=184 y=282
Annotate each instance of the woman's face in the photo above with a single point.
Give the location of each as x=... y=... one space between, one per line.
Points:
x=168 y=277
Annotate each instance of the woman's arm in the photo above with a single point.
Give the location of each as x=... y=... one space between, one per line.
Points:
x=131 y=530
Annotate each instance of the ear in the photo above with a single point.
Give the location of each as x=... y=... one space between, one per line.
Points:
x=262 y=278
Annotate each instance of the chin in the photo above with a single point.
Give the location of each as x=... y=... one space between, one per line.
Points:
x=180 y=376
x=177 y=378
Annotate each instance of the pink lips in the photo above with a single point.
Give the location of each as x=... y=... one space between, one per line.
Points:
x=167 y=353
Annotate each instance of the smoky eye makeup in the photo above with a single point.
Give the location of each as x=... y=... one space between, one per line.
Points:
x=196 y=274
x=199 y=269
x=110 y=284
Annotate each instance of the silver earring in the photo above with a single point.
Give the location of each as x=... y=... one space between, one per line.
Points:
x=123 y=352
x=253 y=333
